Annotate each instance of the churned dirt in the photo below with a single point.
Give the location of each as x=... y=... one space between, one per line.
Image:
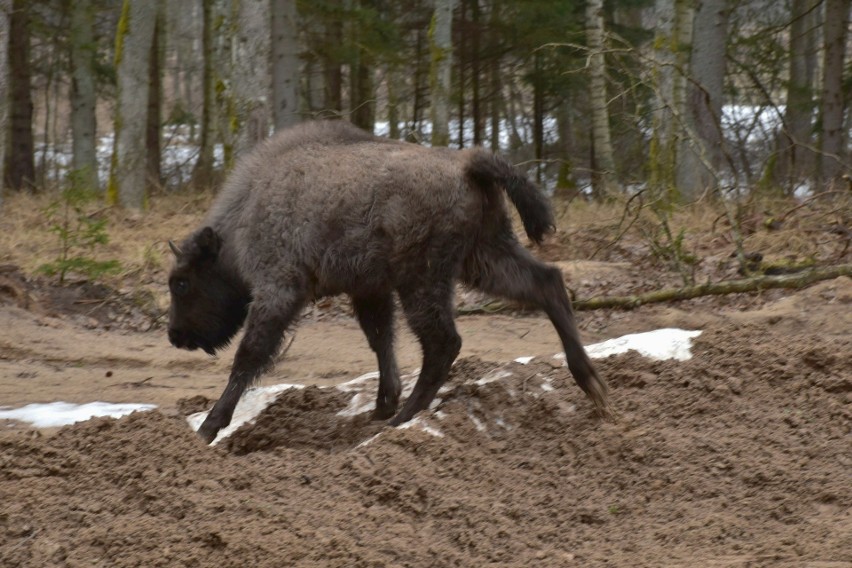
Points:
x=741 y=456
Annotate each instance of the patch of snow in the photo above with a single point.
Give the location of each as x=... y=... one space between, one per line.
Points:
x=253 y=402
x=358 y=382
x=494 y=375
x=422 y=425
x=660 y=344
x=524 y=360
x=54 y=414
x=360 y=403
x=477 y=422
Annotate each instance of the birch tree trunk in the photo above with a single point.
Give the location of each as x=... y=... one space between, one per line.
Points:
x=83 y=123
x=285 y=64
x=5 y=7
x=834 y=40
x=128 y=171
x=701 y=154
x=441 y=57
x=250 y=78
x=603 y=164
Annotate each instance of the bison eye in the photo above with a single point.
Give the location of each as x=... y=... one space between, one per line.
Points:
x=179 y=286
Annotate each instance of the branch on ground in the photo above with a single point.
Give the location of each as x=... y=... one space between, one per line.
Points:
x=745 y=285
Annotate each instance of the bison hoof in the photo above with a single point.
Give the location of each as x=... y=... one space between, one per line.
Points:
x=398 y=419
x=386 y=405
x=208 y=431
x=383 y=412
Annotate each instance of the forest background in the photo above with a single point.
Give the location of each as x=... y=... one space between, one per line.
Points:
x=650 y=106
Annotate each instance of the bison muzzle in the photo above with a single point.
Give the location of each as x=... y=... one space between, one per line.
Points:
x=325 y=208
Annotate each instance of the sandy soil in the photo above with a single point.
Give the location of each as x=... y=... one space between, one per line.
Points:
x=739 y=457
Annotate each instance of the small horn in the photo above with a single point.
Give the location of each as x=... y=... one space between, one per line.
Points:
x=175 y=249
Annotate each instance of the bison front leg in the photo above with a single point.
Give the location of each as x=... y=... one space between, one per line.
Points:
x=375 y=314
x=429 y=311
x=261 y=342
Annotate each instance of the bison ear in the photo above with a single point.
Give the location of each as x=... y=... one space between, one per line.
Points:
x=209 y=243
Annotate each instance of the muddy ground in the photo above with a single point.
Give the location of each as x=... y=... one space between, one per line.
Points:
x=741 y=456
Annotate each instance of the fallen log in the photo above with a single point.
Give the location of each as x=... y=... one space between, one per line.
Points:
x=744 y=285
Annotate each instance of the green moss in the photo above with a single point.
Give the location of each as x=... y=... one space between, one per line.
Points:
x=121 y=31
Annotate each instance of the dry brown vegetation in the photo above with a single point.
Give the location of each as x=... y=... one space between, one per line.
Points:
x=778 y=236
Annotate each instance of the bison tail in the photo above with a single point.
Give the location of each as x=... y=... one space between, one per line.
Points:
x=487 y=171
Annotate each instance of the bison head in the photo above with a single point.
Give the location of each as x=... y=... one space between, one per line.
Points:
x=209 y=301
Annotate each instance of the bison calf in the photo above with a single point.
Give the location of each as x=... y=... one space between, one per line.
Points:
x=325 y=208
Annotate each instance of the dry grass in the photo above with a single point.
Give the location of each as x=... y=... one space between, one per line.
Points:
x=774 y=227
x=619 y=230
x=137 y=240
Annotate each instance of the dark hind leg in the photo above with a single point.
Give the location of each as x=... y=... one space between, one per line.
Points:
x=375 y=314
x=429 y=312
x=505 y=268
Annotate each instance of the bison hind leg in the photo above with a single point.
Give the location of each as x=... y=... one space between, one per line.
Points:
x=375 y=315
x=504 y=268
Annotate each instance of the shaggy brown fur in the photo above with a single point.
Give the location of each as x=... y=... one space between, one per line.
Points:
x=325 y=208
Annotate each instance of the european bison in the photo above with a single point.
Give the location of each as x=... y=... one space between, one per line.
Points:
x=325 y=208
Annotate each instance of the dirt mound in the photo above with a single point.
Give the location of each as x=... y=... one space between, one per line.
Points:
x=89 y=304
x=739 y=456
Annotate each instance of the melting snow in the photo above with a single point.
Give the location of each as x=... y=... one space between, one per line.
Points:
x=54 y=414
x=248 y=408
x=660 y=344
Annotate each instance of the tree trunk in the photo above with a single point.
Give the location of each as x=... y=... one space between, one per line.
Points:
x=392 y=78
x=285 y=64
x=461 y=59
x=185 y=26
x=20 y=164
x=441 y=56
x=701 y=155
x=155 y=98
x=661 y=155
x=250 y=77
x=475 y=71
x=496 y=95
x=332 y=68
x=566 y=185
x=671 y=50
x=83 y=97
x=795 y=139
x=834 y=41
x=414 y=133
x=496 y=106
x=128 y=175
x=5 y=9
x=603 y=163
x=202 y=174
x=361 y=99
x=538 y=116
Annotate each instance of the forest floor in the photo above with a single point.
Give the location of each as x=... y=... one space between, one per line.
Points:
x=739 y=456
